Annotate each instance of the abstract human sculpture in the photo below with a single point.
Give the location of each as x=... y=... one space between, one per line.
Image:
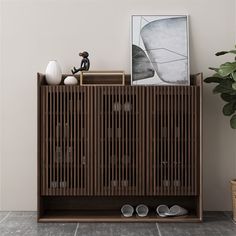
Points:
x=85 y=63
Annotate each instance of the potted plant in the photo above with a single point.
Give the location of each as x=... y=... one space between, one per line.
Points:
x=225 y=79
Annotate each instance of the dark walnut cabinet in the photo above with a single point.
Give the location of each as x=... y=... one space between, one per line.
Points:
x=100 y=147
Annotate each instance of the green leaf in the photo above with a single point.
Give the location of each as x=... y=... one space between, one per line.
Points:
x=227 y=97
x=234 y=86
x=234 y=75
x=225 y=52
x=225 y=87
x=233 y=122
x=217 y=75
x=227 y=68
x=213 y=68
x=229 y=109
x=212 y=80
x=221 y=53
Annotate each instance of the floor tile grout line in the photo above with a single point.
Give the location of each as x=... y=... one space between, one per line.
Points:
x=76 y=230
x=5 y=217
x=158 y=229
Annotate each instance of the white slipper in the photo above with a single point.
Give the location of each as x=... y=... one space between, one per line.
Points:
x=163 y=210
x=178 y=211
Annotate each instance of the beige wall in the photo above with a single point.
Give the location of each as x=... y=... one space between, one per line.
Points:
x=34 y=32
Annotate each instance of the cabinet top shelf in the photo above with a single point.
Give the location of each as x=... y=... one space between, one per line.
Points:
x=195 y=80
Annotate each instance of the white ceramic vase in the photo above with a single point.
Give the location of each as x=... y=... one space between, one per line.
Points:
x=70 y=80
x=53 y=73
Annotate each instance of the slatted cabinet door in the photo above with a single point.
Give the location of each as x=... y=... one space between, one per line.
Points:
x=118 y=141
x=172 y=140
x=65 y=163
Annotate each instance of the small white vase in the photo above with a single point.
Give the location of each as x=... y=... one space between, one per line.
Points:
x=70 y=80
x=53 y=73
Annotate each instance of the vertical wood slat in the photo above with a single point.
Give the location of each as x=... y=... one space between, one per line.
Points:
x=119 y=146
x=161 y=142
x=80 y=135
x=130 y=142
x=148 y=186
x=88 y=128
x=137 y=141
x=125 y=142
x=73 y=142
x=41 y=145
x=143 y=157
x=110 y=142
x=168 y=140
x=94 y=156
x=133 y=156
x=69 y=151
x=67 y=138
x=190 y=173
x=196 y=137
x=59 y=128
x=85 y=142
x=78 y=131
x=122 y=132
x=52 y=159
x=140 y=142
x=47 y=141
x=57 y=137
x=102 y=118
x=77 y=156
x=117 y=140
x=175 y=141
x=43 y=140
x=147 y=139
x=190 y=140
x=182 y=141
x=185 y=192
x=165 y=179
x=90 y=140
x=192 y=135
x=155 y=141
x=171 y=166
x=106 y=127
x=97 y=141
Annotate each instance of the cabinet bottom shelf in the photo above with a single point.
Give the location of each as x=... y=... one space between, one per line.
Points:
x=109 y=216
x=108 y=209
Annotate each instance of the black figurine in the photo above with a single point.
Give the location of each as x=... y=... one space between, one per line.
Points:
x=85 y=64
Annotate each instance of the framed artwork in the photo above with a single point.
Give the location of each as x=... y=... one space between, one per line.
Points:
x=160 y=50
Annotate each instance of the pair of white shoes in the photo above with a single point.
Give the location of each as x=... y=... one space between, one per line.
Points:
x=164 y=211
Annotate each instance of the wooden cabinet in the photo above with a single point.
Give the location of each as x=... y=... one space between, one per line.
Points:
x=100 y=147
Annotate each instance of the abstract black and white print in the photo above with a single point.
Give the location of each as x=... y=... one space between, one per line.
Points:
x=160 y=50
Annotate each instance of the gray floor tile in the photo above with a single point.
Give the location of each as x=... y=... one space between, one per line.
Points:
x=25 y=224
x=214 y=224
x=23 y=213
x=3 y=214
x=117 y=229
